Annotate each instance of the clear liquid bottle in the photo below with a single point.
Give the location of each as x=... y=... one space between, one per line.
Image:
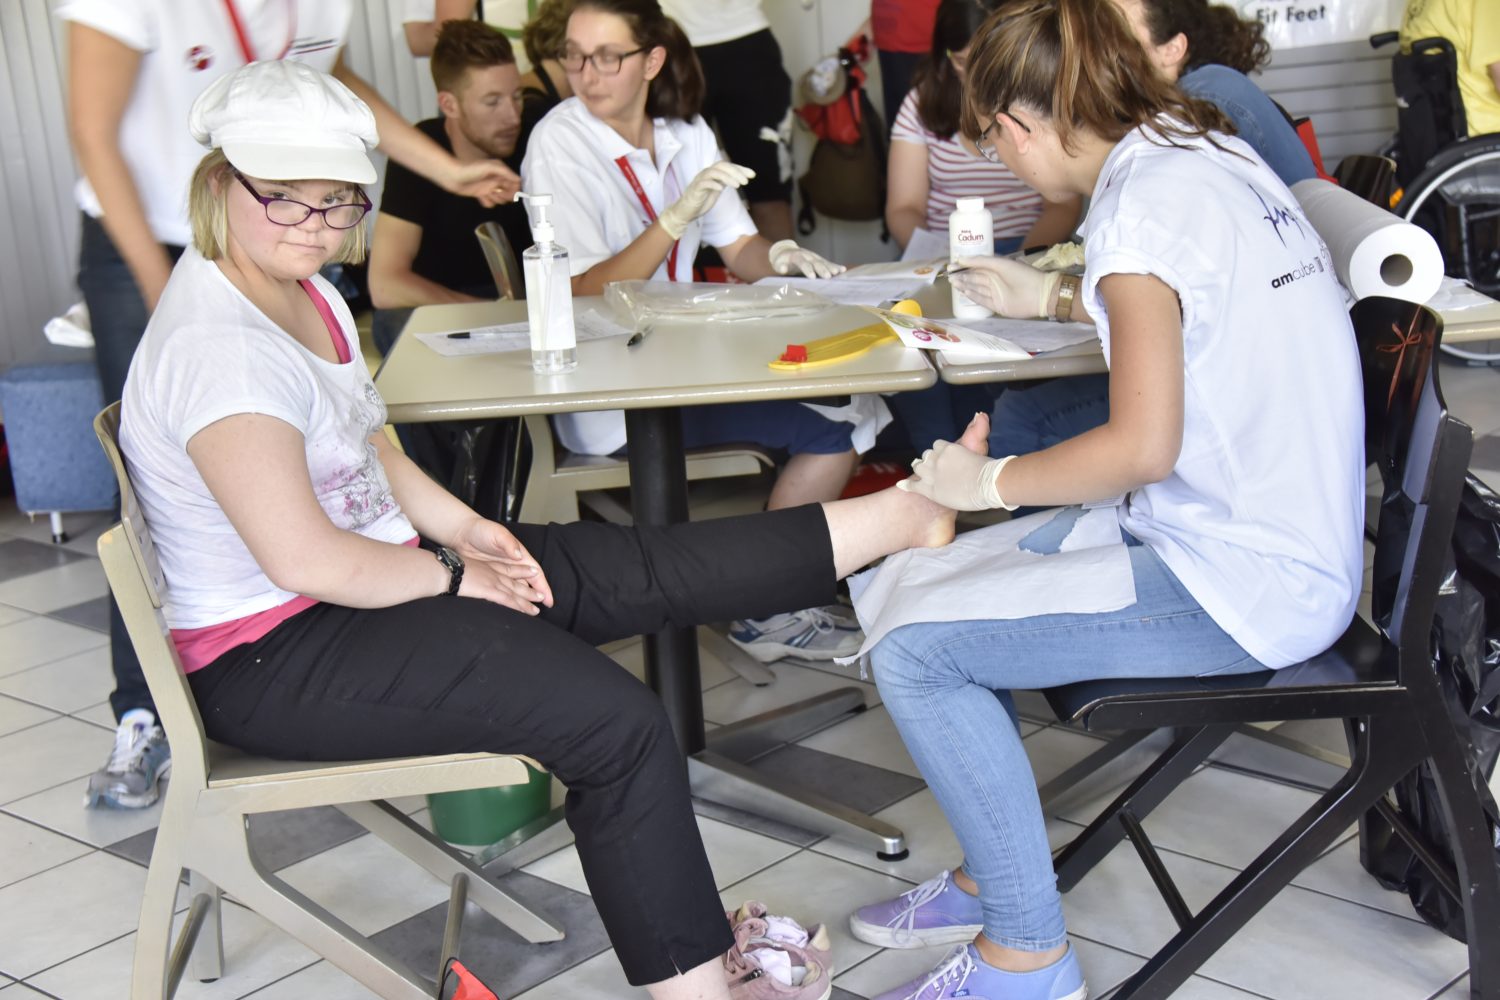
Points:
x=549 y=295
x=971 y=233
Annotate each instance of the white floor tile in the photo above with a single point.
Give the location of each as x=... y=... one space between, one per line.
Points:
x=1458 y=991
x=15 y=715
x=255 y=954
x=1338 y=873
x=870 y=738
x=50 y=754
x=60 y=587
x=100 y=714
x=345 y=882
x=10 y=615
x=33 y=641
x=600 y=978
x=739 y=699
x=815 y=889
x=67 y=910
x=887 y=969
x=20 y=991
x=733 y=854
x=322 y=980
x=84 y=530
x=61 y=808
x=66 y=685
x=26 y=849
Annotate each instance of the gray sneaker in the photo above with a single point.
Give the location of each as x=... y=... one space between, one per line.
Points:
x=132 y=776
x=810 y=634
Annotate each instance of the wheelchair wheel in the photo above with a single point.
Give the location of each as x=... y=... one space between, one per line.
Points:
x=1456 y=198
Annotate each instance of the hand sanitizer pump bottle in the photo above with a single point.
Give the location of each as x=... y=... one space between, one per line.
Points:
x=549 y=294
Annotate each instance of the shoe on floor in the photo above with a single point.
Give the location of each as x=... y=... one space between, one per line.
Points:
x=964 y=974
x=775 y=958
x=935 y=912
x=132 y=776
x=810 y=634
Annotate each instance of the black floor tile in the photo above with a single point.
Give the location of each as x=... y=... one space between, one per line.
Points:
x=279 y=839
x=1486 y=452
x=90 y=614
x=506 y=963
x=20 y=557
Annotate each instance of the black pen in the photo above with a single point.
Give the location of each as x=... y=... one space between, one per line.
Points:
x=461 y=335
x=638 y=336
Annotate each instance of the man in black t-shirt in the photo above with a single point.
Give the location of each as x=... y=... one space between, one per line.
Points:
x=423 y=250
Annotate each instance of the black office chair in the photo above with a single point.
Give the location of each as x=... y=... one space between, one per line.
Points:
x=1381 y=682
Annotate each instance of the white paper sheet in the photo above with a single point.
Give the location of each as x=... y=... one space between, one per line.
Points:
x=960 y=343
x=925 y=245
x=1034 y=335
x=590 y=325
x=1455 y=294
x=1067 y=560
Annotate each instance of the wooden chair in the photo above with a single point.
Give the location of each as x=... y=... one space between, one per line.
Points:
x=214 y=789
x=1379 y=681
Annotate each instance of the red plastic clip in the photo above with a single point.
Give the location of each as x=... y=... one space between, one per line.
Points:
x=794 y=353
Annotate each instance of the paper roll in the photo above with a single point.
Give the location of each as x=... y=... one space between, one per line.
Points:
x=1374 y=252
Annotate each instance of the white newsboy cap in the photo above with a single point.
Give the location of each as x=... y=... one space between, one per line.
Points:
x=284 y=121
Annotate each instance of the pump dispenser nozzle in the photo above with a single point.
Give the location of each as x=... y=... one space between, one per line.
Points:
x=541 y=228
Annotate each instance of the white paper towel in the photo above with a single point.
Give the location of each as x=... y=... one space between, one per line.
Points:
x=1374 y=252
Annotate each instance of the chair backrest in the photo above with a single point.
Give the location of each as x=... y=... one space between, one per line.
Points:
x=1371 y=177
x=1429 y=107
x=136 y=580
x=501 y=259
x=1422 y=453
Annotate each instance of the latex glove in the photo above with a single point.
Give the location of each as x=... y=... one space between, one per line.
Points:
x=960 y=479
x=1007 y=287
x=701 y=194
x=787 y=256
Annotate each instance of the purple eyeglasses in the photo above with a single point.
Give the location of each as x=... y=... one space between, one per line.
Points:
x=286 y=212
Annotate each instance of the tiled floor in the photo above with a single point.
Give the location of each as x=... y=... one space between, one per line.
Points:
x=70 y=879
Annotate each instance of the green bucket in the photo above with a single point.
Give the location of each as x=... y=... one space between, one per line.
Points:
x=481 y=816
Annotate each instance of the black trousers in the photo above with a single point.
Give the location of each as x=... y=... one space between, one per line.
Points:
x=452 y=675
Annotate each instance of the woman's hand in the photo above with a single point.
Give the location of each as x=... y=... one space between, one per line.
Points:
x=1006 y=287
x=489 y=181
x=498 y=568
x=701 y=194
x=786 y=256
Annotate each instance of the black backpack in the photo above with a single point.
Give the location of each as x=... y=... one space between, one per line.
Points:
x=844 y=179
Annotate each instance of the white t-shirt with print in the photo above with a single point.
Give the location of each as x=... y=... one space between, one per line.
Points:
x=1261 y=519
x=710 y=22
x=571 y=155
x=185 y=45
x=209 y=353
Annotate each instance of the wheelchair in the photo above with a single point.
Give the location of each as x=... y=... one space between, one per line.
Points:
x=1448 y=182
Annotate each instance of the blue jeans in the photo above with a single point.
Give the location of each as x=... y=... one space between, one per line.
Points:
x=947 y=685
x=1028 y=419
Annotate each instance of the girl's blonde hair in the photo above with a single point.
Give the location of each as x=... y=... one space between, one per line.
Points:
x=1077 y=63
x=209 y=218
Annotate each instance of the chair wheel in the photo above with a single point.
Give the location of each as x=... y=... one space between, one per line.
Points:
x=898 y=856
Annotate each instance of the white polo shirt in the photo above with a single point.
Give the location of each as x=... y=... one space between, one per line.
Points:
x=710 y=22
x=186 y=45
x=1262 y=517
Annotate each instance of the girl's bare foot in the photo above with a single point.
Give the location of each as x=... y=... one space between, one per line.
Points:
x=936 y=529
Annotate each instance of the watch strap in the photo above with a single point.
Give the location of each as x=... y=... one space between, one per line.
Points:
x=1067 y=290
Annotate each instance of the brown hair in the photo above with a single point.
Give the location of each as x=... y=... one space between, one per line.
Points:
x=465 y=45
x=938 y=85
x=543 y=35
x=1214 y=33
x=208 y=213
x=1077 y=63
x=677 y=91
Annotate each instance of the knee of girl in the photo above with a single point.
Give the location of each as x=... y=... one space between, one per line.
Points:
x=901 y=665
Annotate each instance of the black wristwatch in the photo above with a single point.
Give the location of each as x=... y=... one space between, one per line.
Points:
x=454 y=564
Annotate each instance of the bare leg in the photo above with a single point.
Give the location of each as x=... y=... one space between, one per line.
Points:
x=704 y=982
x=810 y=478
x=773 y=219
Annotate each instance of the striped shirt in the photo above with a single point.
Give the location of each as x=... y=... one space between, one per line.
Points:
x=953 y=173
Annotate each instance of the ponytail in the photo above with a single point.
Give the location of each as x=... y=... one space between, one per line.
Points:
x=677 y=91
x=1078 y=64
x=1214 y=33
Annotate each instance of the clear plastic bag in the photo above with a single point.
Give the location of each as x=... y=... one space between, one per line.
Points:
x=638 y=303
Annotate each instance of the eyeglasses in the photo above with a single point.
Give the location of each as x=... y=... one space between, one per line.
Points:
x=286 y=212
x=606 y=63
x=987 y=148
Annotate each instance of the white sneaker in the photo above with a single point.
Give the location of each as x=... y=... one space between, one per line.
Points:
x=132 y=776
x=810 y=634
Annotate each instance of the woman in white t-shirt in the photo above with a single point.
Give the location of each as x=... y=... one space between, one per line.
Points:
x=1235 y=437
x=310 y=623
x=932 y=165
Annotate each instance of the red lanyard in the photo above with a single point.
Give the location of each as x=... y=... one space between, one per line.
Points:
x=624 y=164
x=243 y=37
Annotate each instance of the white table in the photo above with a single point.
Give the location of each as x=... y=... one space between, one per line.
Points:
x=679 y=364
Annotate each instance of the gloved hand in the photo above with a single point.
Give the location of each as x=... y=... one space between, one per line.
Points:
x=1007 y=287
x=786 y=255
x=960 y=479
x=701 y=194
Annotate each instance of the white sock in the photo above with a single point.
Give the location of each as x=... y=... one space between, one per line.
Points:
x=141 y=716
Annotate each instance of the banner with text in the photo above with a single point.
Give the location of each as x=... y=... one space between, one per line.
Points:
x=1290 y=24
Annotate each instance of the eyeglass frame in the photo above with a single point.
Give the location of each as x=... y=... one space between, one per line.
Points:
x=365 y=204
x=985 y=147
x=592 y=59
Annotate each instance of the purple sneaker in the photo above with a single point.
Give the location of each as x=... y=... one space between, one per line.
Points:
x=964 y=974
x=935 y=912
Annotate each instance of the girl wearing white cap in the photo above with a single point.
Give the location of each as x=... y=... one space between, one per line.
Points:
x=310 y=623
